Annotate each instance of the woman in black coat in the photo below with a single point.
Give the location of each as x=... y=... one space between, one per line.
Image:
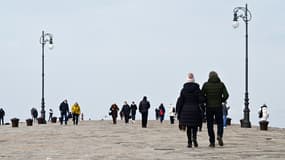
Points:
x=188 y=109
x=126 y=111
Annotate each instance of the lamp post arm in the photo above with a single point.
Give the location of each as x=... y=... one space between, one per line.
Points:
x=246 y=15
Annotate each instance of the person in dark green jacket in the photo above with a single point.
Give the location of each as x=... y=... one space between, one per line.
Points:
x=216 y=93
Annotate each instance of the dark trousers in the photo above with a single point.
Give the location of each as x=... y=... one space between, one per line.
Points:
x=161 y=118
x=114 y=119
x=75 y=118
x=192 y=133
x=133 y=116
x=127 y=117
x=50 y=116
x=144 y=119
x=171 y=119
x=216 y=113
x=63 y=116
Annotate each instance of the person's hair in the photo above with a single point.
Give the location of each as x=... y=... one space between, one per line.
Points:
x=213 y=73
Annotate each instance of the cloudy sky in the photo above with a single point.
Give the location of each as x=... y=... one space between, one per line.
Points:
x=115 y=50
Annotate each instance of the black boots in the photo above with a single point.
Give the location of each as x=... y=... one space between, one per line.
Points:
x=220 y=141
x=194 y=142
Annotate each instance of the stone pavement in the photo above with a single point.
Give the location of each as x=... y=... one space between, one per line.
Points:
x=101 y=140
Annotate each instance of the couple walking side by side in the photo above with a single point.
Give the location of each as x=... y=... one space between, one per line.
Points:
x=190 y=112
x=64 y=112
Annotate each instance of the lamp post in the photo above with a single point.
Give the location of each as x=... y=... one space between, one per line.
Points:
x=244 y=13
x=46 y=37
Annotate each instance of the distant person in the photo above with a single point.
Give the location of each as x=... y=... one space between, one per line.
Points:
x=156 y=113
x=225 y=113
x=50 y=114
x=263 y=113
x=161 y=112
x=133 y=111
x=2 y=114
x=64 y=111
x=34 y=113
x=82 y=116
x=114 y=112
x=126 y=111
x=171 y=114
x=216 y=93
x=143 y=109
x=75 y=110
x=188 y=109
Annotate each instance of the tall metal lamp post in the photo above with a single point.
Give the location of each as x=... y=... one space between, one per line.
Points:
x=244 y=13
x=46 y=37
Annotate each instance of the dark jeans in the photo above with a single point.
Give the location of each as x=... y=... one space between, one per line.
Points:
x=133 y=116
x=127 y=118
x=161 y=118
x=192 y=133
x=216 y=113
x=50 y=116
x=63 y=116
x=75 y=118
x=144 y=119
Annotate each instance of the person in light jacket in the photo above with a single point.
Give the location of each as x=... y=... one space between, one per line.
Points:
x=75 y=110
x=263 y=113
x=171 y=114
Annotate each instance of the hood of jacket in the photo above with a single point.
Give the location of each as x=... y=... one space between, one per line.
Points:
x=214 y=79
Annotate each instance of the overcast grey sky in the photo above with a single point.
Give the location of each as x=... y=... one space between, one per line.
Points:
x=109 y=51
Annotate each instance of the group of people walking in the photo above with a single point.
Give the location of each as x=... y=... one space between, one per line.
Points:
x=129 y=111
x=65 y=113
x=193 y=102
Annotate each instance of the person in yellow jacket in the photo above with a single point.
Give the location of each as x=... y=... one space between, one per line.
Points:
x=75 y=109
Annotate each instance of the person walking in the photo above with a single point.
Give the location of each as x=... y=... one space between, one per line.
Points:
x=64 y=111
x=188 y=110
x=156 y=113
x=216 y=93
x=75 y=110
x=126 y=111
x=161 y=112
x=143 y=109
x=171 y=114
x=114 y=112
x=34 y=113
x=133 y=111
x=2 y=114
x=50 y=114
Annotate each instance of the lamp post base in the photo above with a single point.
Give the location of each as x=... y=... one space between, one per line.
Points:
x=245 y=124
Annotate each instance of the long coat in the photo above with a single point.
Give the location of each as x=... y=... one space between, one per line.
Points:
x=188 y=105
x=114 y=110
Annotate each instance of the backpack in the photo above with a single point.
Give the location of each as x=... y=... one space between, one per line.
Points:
x=161 y=112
